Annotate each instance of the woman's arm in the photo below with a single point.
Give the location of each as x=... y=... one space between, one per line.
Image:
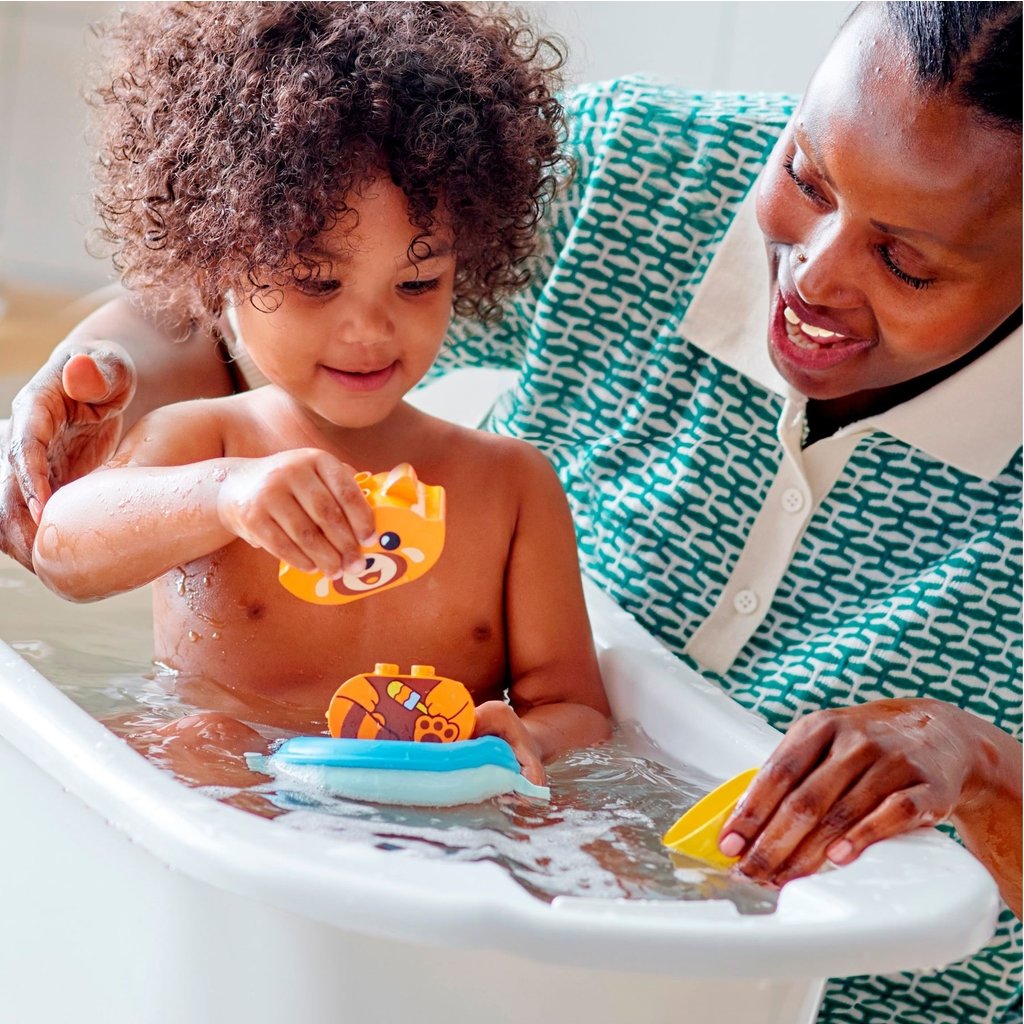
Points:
x=115 y=366
x=842 y=779
x=556 y=687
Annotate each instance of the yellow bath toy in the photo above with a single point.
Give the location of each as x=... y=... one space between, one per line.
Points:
x=409 y=537
x=384 y=704
x=696 y=833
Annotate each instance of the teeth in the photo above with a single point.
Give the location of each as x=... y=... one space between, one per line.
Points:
x=797 y=327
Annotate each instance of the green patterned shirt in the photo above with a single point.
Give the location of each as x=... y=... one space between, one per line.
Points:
x=882 y=562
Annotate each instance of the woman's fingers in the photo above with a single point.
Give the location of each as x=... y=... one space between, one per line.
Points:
x=801 y=749
x=821 y=798
x=103 y=378
x=67 y=396
x=37 y=417
x=843 y=779
x=17 y=528
x=868 y=812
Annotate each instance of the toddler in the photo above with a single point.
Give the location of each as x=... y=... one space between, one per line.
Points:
x=331 y=179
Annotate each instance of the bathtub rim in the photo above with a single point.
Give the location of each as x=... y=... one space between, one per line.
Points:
x=825 y=926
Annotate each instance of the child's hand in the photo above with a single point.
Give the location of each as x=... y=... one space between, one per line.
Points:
x=496 y=718
x=303 y=506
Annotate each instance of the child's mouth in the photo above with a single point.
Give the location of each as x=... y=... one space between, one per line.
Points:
x=362 y=380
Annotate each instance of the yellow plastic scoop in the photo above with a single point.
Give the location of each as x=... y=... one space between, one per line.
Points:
x=696 y=833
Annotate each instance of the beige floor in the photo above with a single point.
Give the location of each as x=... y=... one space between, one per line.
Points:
x=34 y=320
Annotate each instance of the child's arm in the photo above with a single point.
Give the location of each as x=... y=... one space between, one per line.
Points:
x=169 y=496
x=556 y=688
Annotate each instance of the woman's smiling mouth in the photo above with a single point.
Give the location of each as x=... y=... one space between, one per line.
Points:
x=804 y=345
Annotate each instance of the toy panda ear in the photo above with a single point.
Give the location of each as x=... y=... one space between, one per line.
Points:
x=402 y=484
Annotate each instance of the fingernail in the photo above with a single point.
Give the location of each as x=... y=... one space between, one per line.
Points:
x=35 y=510
x=732 y=844
x=841 y=852
x=368 y=541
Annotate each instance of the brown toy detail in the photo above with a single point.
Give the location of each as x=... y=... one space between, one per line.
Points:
x=385 y=705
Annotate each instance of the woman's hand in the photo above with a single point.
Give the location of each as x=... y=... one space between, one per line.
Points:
x=496 y=718
x=303 y=506
x=65 y=421
x=842 y=779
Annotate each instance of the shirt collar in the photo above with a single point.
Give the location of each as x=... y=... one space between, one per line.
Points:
x=971 y=420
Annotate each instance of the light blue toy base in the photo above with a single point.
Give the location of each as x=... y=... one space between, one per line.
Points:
x=399 y=772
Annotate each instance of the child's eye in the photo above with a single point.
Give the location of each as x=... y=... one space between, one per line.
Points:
x=317 y=288
x=419 y=287
x=897 y=272
x=808 y=189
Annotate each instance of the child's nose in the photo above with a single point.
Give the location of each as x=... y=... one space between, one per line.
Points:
x=364 y=322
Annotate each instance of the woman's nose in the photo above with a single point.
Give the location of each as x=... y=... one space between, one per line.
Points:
x=826 y=270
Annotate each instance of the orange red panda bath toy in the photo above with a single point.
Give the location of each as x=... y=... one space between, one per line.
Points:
x=383 y=704
x=409 y=518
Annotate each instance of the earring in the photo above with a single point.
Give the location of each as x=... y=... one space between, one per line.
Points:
x=801 y=257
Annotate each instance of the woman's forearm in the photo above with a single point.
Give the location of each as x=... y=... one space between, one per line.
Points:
x=173 y=362
x=988 y=817
x=118 y=529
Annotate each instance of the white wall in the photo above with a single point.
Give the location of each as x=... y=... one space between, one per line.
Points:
x=44 y=177
x=767 y=46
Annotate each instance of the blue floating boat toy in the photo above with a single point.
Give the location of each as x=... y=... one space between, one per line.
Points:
x=400 y=771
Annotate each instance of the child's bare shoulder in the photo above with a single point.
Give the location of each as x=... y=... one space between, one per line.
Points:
x=518 y=463
x=189 y=431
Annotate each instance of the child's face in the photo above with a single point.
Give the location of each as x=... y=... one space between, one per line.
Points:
x=351 y=342
x=892 y=219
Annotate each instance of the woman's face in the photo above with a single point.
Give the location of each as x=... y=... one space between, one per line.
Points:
x=892 y=222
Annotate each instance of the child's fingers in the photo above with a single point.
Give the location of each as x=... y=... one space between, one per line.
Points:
x=323 y=511
x=496 y=718
x=340 y=482
x=269 y=535
x=307 y=536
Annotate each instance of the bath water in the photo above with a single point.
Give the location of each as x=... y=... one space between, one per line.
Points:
x=599 y=836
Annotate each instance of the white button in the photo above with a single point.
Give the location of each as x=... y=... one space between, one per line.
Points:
x=792 y=499
x=745 y=602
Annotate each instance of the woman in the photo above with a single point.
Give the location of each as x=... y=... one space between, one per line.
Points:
x=826 y=525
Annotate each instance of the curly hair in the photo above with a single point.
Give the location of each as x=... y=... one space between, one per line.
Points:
x=230 y=134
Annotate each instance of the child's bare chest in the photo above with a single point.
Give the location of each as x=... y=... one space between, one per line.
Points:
x=227 y=620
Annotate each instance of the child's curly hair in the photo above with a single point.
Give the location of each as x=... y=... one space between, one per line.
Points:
x=231 y=133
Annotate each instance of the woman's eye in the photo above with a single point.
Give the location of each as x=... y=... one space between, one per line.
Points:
x=419 y=287
x=317 y=288
x=894 y=269
x=808 y=190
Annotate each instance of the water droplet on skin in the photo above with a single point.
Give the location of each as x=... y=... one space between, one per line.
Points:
x=206 y=581
x=215 y=636
x=181 y=585
x=194 y=636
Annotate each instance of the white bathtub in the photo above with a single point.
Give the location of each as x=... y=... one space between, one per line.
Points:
x=127 y=898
